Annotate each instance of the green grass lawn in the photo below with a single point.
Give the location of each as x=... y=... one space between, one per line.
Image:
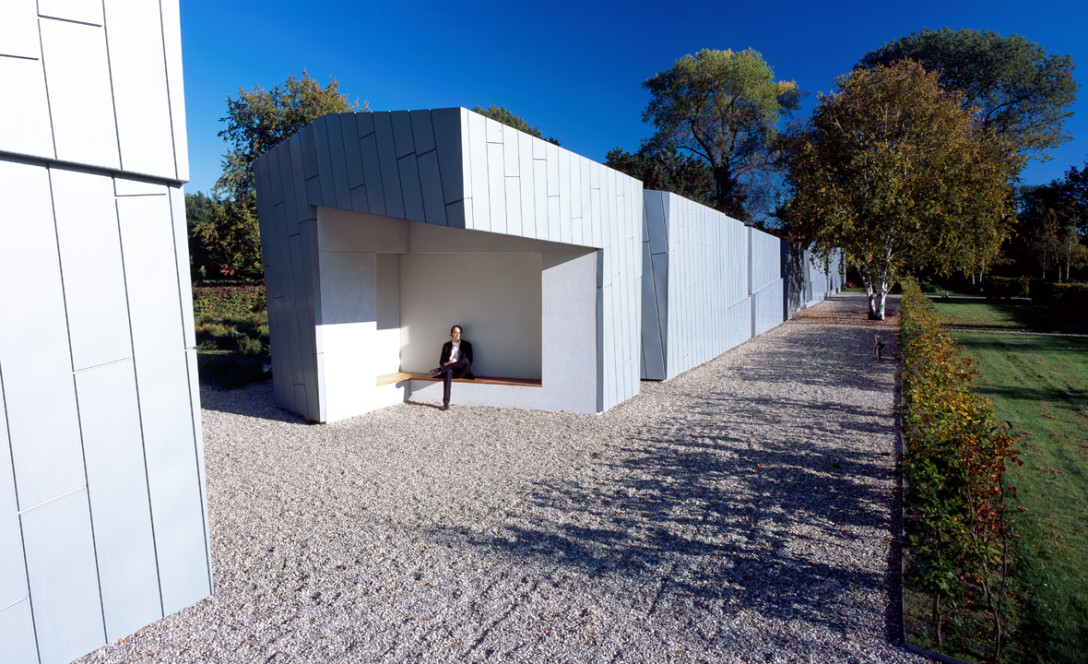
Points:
x=1040 y=385
x=980 y=314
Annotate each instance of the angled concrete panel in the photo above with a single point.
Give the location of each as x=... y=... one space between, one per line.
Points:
x=64 y=591
x=42 y=417
x=77 y=73
x=699 y=262
x=24 y=126
x=171 y=35
x=387 y=161
x=336 y=160
x=17 y=633
x=165 y=402
x=78 y=11
x=13 y=587
x=94 y=281
x=117 y=485
x=19 y=30
x=140 y=93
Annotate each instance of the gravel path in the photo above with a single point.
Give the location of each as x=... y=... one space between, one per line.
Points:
x=741 y=512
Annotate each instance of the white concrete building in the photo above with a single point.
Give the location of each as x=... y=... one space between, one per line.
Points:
x=103 y=523
x=381 y=230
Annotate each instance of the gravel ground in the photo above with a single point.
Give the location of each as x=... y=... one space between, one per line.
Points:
x=741 y=512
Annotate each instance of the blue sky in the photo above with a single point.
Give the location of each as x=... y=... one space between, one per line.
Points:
x=574 y=69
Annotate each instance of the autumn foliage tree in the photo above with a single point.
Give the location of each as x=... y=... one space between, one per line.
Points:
x=892 y=169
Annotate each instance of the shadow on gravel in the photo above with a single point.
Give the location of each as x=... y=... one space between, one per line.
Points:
x=255 y=400
x=743 y=502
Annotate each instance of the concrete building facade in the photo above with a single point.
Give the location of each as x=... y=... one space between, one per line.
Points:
x=103 y=523
x=381 y=230
x=711 y=283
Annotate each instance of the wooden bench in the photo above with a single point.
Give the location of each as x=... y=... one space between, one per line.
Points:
x=401 y=376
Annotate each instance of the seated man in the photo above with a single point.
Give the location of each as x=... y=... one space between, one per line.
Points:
x=455 y=362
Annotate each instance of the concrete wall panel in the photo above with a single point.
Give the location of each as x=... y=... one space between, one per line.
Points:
x=80 y=100
x=171 y=35
x=17 y=633
x=165 y=407
x=63 y=580
x=42 y=419
x=94 y=281
x=698 y=278
x=79 y=11
x=12 y=564
x=19 y=30
x=117 y=484
x=24 y=126
x=140 y=94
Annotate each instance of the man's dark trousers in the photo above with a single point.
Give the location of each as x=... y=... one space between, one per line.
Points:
x=450 y=371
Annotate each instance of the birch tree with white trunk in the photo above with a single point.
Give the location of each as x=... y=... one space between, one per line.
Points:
x=897 y=173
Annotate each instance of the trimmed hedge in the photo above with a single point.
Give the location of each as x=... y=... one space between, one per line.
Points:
x=954 y=463
x=1006 y=287
x=1072 y=296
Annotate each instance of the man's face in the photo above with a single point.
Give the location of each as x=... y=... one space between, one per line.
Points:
x=456 y=334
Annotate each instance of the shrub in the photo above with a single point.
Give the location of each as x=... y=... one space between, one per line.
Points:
x=954 y=462
x=1005 y=287
x=1071 y=296
x=250 y=347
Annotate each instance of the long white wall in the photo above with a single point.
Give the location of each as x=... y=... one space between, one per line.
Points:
x=102 y=514
x=710 y=284
x=448 y=167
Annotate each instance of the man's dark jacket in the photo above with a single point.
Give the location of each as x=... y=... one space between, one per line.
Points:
x=466 y=352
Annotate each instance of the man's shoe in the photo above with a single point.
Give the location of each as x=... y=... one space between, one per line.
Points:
x=435 y=373
x=445 y=406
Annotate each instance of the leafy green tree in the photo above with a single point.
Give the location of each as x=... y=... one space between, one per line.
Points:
x=666 y=170
x=260 y=119
x=722 y=107
x=1020 y=91
x=501 y=114
x=224 y=236
x=224 y=240
x=893 y=170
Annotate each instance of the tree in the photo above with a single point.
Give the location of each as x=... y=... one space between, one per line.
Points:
x=1020 y=91
x=224 y=239
x=1049 y=216
x=722 y=107
x=666 y=170
x=500 y=114
x=1075 y=189
x=895 y=172
x=259 y=120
